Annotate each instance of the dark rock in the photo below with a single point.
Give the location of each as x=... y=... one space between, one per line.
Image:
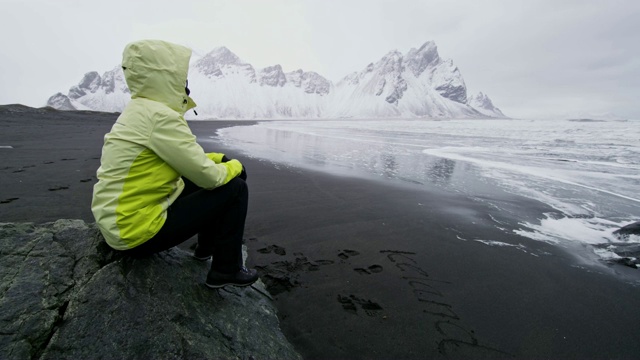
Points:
x=450 y=83
x=629 y=252
x=66 y=294
x=631 y=229
x=314 y=83
x=272 y=76
x=400 y=86
x=90 y=82
x=419 y=59
x=311 y=82
x=630 y=262
x=60 y=101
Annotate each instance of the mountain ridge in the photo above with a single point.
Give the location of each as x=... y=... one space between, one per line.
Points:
x=418 y=84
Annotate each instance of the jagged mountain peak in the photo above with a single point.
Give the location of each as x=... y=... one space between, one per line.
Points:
x=480 y=96
x=483 y=103
x=419 y=59
x=89 y=84
x=311 y=82
x=482 y=100
x=211 y=64
x=272 y=76
x=61 y=102
x=222 y=55
x=393 y=54
x=391 y=61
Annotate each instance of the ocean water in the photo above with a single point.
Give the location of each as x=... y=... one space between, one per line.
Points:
x=586 y=171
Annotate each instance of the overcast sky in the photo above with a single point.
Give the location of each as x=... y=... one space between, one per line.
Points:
x=532 y=57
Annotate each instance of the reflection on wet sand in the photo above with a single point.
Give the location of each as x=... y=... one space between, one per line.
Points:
x=441 y=171
x=353 y=158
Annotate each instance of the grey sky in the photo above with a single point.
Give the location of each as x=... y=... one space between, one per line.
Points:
x=532 y=57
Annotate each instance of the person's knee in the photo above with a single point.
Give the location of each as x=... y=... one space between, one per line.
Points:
x=242 y=189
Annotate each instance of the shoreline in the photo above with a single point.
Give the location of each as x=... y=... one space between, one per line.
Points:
x=356 y=267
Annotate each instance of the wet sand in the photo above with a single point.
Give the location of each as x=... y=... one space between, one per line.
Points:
x=363 y=269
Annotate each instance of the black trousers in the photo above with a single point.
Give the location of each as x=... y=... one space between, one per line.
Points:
x=217 y=216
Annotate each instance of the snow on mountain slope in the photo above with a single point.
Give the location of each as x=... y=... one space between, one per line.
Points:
x=108 y=92
x=226 y=87
x=417 y=84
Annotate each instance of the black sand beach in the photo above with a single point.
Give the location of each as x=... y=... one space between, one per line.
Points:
x=362 y=269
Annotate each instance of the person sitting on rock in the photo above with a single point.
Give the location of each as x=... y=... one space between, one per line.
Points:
x=156 y=186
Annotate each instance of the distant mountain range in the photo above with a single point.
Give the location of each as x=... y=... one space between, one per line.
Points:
x=418 y=84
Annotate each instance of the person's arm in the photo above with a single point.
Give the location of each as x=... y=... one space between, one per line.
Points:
x=172 y=140
x=222 y=158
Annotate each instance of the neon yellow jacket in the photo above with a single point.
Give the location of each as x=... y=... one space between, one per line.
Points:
x=150 y=147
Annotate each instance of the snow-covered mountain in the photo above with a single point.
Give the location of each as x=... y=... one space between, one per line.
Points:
x=413 y=85
x=108 y=92
x=224 y=86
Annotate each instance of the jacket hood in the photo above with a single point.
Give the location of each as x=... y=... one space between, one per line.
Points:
x=157 y=70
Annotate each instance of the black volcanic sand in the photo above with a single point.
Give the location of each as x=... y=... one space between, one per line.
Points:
x=363 y=269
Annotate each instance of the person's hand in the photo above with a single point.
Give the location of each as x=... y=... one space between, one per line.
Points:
x=243 y=174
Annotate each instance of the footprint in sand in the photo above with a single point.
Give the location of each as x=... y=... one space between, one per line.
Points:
x=345 y=254
x=373 y=269
x=273 y=248
x=281 y=276
x=324 y=262
x=6 y=201
x=351 y=303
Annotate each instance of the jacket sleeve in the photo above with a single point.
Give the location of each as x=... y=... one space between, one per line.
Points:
x=172 y=140
x=215 y=157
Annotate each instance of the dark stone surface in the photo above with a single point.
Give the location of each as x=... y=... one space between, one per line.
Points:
x=272 y=76
x=631 y=229
x=90 y=82
x=66 y=294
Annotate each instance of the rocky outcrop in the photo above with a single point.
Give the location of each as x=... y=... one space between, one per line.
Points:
x=627 y=249
x=443 y=75
x=631 y=229
x=310 y=81
x=272 y=76
x=66 y=294
x=90 y=83
x=60 y=101
x=484 y=105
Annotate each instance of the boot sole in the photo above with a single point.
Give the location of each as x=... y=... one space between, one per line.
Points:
x=202 y=258
x=227 y=284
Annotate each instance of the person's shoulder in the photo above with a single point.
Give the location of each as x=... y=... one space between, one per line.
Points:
x=154 y=110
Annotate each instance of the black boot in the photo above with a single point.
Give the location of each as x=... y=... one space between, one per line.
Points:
x=244 y=277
